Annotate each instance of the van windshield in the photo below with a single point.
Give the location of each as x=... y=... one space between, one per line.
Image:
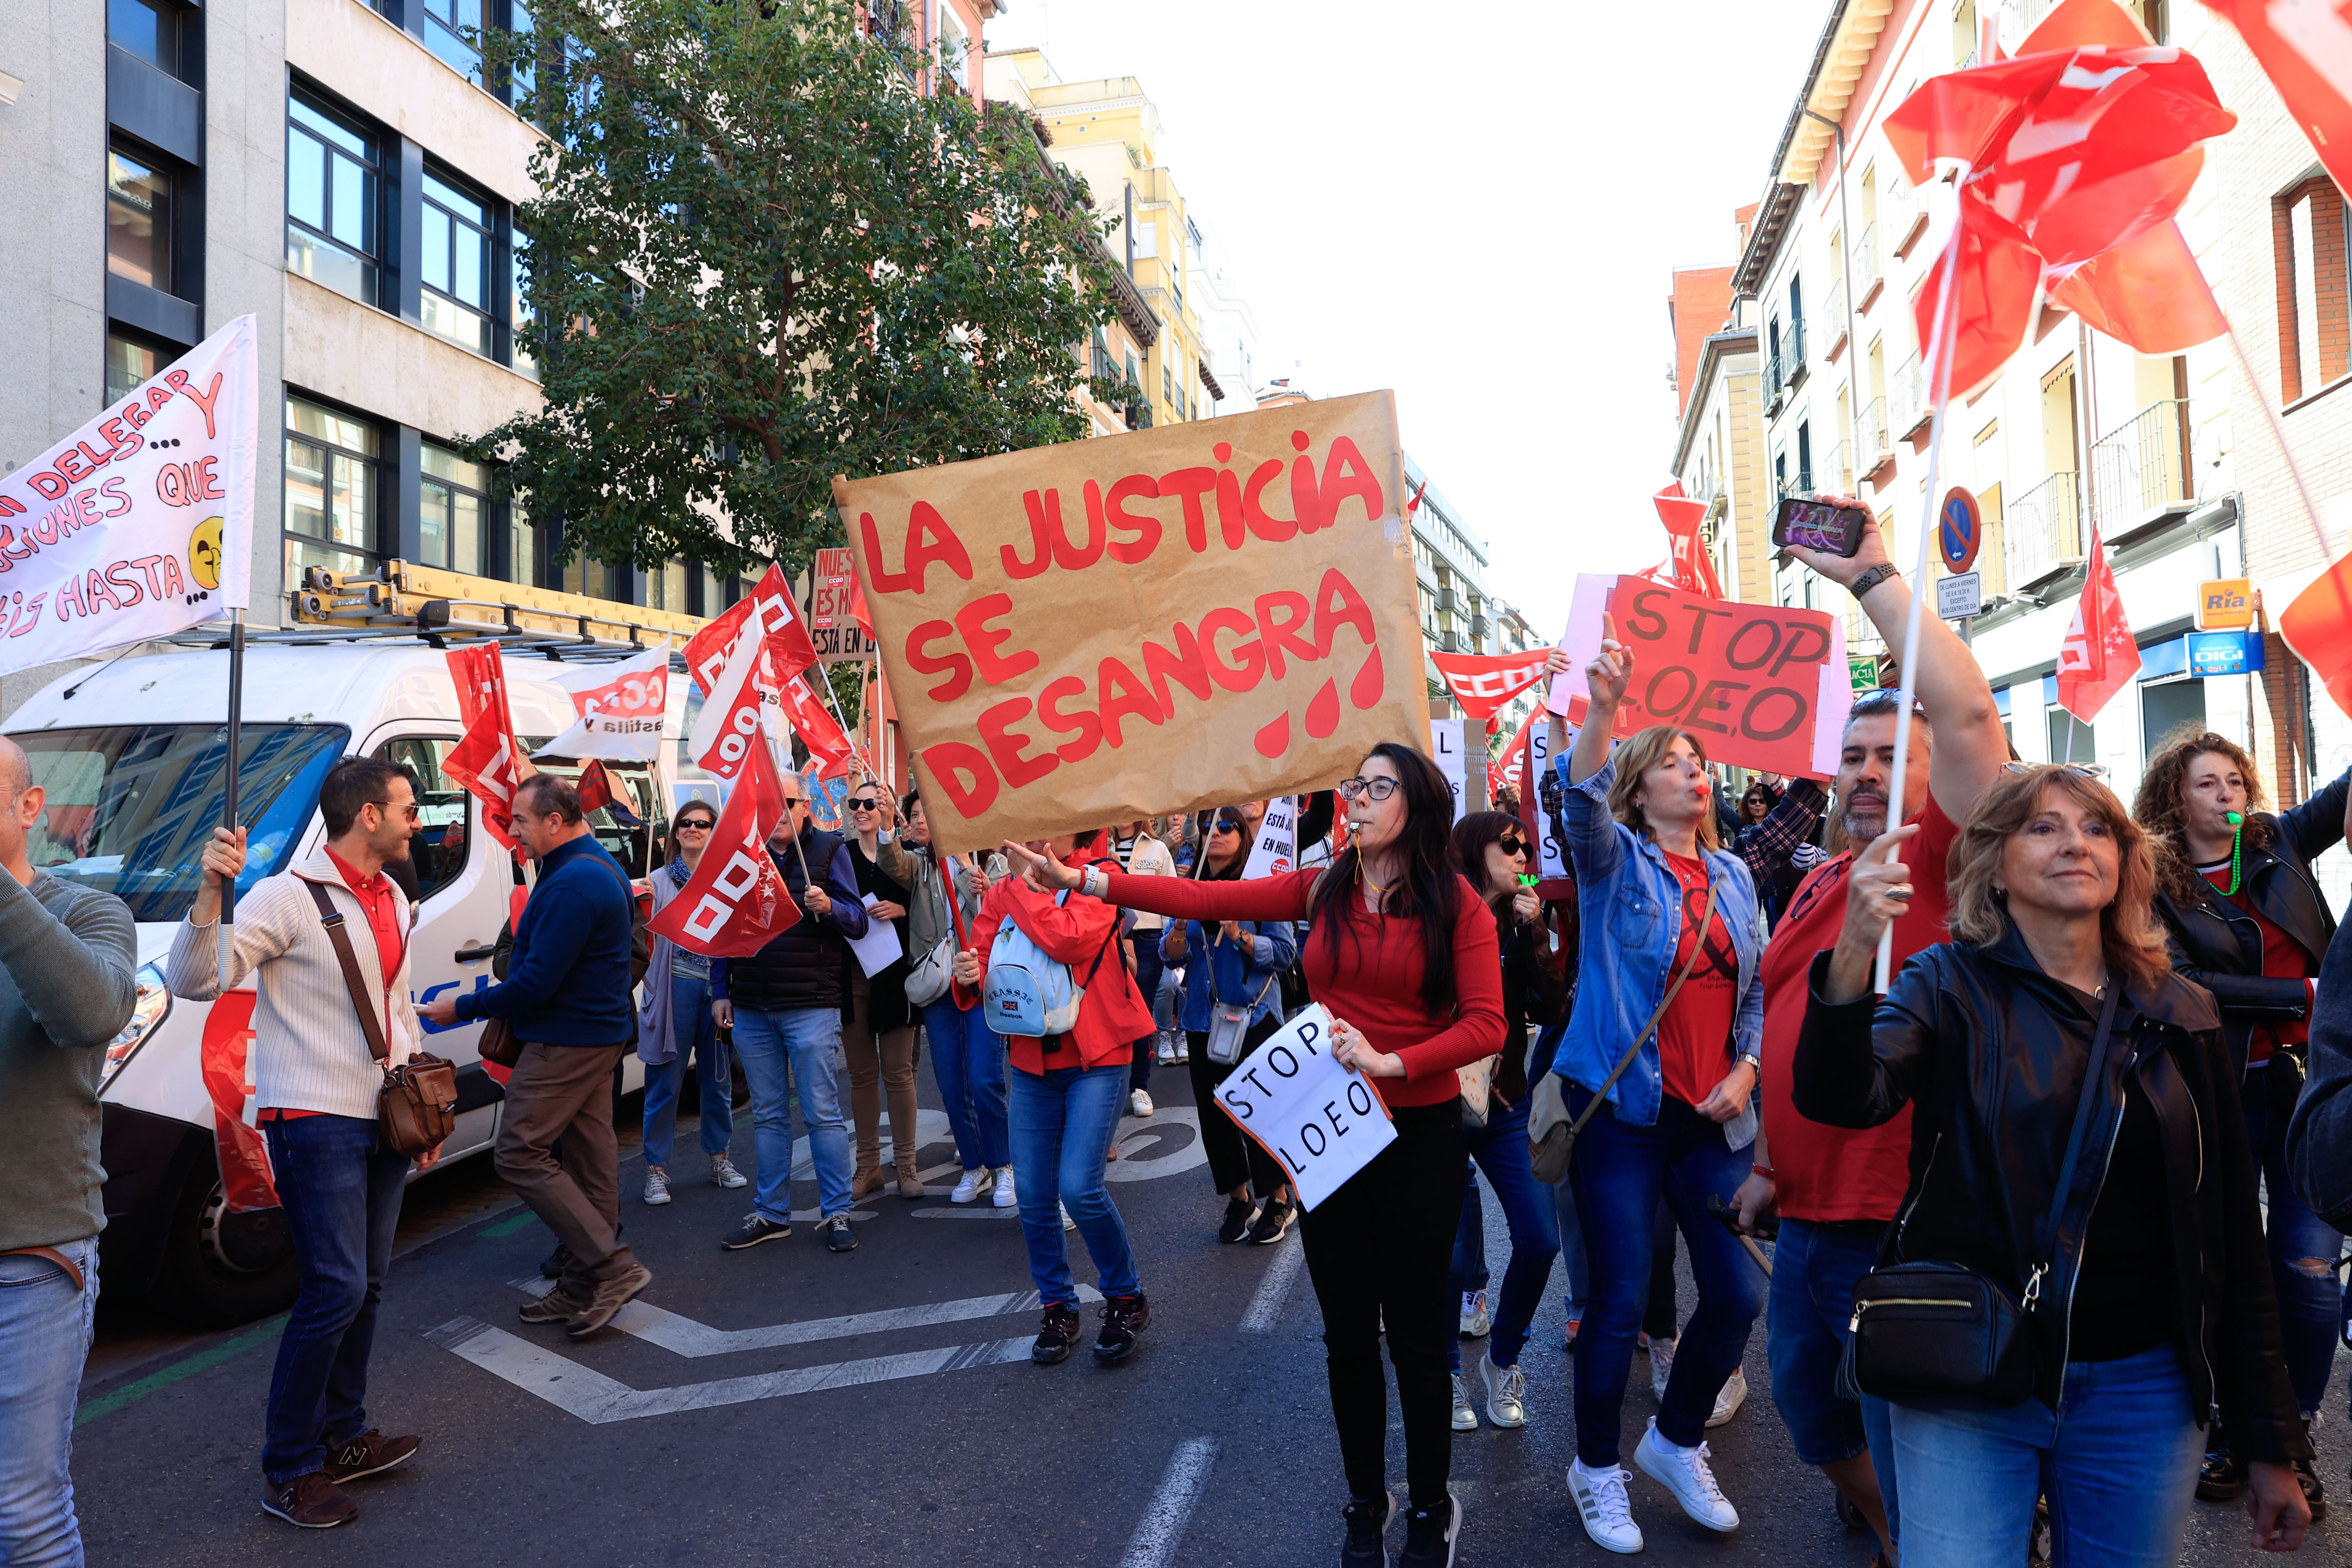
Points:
x=131 y=806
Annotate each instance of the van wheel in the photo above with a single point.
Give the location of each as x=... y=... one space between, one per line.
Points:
x=221 y=1268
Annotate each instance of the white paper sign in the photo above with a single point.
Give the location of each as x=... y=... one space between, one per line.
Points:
x=1551 y=854
x=879 y=949
x=139 y=524
x=1446 y=750
x=1323 y=1121
x=1276 y=850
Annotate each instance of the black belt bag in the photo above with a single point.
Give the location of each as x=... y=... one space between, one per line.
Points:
x=1932 y=1333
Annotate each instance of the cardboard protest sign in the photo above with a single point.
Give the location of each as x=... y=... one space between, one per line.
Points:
x=1276 y=850
x=1751 y=680
x=139 y=524
x=1156 y=622
x=1319 y=1119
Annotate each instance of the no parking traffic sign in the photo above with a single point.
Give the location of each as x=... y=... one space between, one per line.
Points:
x=1959 y=530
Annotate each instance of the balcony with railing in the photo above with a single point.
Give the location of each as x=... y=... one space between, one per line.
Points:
x=1865 y=270
x=1837 y=468
x=1874 y=446
x=1776 y=385
x=1799 y=484
x=2141 y=468
x=1902 y=215
x=2042 y=532
x=1836 y=321
x=1908 y=393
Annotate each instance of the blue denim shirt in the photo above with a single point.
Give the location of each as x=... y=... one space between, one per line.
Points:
x=1633 y=919
x=1235 y=971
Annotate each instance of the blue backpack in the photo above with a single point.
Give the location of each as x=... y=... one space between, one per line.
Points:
x=1027 y=992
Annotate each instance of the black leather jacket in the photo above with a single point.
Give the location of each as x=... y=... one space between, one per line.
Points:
x=2219 y=946
x=1969 y=1035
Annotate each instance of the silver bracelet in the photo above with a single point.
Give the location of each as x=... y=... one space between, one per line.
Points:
x=1095 y=885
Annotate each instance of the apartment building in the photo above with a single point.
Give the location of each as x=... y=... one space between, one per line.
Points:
x=1229 y=333
x=1718 y=454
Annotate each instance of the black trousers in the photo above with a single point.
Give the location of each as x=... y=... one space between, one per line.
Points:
x=1382 y=1247
x=1234 y=1156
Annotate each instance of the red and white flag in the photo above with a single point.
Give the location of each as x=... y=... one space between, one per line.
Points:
x=485 y=761
x=2318 y=627
x=1483 y=682
x=2098 y=657
x=2305 y=47
x=734 y=719
x=816 y=727
x=769 y=607
x=623 y=708
x=735 y=902
x=1692 y=567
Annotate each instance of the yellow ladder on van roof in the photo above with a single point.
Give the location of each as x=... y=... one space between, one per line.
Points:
x=401 y=595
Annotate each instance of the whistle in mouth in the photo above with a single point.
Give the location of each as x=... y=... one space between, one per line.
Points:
x=2234 y=818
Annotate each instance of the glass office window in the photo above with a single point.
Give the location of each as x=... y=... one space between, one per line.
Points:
x=332 y=190
x=455 y=495
x=519 y=304
x=445 y=21
x=333 y=472
x=456 y=276
x=666 y=588
x=149 y=29
x=128 y=362
x=137 y=219
x=586 y=575
x=522 y=547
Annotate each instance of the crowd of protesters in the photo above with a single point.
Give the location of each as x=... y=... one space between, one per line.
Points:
x=1995 y=1042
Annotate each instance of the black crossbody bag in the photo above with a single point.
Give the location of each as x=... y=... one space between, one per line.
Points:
x=1932 y=1333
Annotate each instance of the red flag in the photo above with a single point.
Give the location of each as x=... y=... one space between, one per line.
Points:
x=816 y=727
x=2149 y=293
x=2318 y=627
x=732 y=722
x=486 y=760
x=2305 y=49
x=857 y=610
x=1694 y=569
x=2098 y=657
x=771 y=600
x=595 y=789
x=735 y=904
x=1483 y=682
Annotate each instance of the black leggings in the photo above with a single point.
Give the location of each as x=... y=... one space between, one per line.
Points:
x=1234 y=1157
x=1382 y=1247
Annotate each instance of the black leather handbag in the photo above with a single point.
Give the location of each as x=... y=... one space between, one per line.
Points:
x=1932 y=1333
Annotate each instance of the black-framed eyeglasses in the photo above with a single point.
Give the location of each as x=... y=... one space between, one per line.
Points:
x=1368 y=789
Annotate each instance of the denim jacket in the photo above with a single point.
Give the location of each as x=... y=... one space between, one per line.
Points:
x=1235 y=971
x=1632 y=921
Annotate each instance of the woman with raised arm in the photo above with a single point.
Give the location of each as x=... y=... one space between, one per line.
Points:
x=1403 y=953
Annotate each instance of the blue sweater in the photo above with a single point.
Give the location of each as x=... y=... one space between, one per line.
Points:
x=568 y=982
x=1233 y=973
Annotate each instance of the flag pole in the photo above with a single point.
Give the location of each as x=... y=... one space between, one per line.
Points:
x=1940 y=388
x=228 y=796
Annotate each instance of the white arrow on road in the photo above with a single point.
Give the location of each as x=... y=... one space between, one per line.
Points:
x=683 y=1336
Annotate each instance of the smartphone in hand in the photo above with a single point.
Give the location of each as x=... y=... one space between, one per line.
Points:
x=1818 y=525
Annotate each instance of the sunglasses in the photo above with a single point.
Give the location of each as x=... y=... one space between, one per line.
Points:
x=695 y=824
x=1368 y=789
x=1226 y=824
x=864 y=805
x=1510 y=845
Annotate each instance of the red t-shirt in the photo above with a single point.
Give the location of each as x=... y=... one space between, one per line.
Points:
x=2283 y=959
x=1695 y=1035
x=1826 y=1174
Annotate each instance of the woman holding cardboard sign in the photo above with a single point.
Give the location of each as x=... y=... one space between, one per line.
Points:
x=1658 y=1071
x=1403 y=953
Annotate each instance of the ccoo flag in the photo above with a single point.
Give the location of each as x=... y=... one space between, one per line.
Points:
x=735 y=902
x=2098 y=657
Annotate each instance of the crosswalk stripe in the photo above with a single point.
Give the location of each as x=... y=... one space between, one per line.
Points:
x=683 y=1336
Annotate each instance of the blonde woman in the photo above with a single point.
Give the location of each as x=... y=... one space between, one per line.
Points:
x=2154 y=1294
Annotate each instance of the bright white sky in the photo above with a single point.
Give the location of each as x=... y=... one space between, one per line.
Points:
x=1479 y=208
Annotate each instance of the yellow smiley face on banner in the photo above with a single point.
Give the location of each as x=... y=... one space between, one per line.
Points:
x=205 y=554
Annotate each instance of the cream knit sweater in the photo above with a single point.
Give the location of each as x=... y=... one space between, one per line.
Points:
x=309 y=1053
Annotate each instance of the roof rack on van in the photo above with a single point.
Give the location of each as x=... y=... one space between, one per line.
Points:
x=402 y=600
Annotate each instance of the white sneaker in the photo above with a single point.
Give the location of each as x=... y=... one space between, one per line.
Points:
x=1733 y=1395
x=1139 y=1103
x=1506 y=1393
x=657 y=1185
x=1006 y=1197
x=1475 y=1320
x=970 y=1186
x=1067 y=1222
x=1607 y=1512
x=1167 y=1050
x=1662 y=1366
x=1684 y=1473
x=1183 y=1048
x=724 y=1173
x=1466 y=1414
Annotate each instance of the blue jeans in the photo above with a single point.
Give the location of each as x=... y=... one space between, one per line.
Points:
x=779 y=1050
x=1060 y=1126
x=1619 y=1171
x=1501 y=1150
x=1814 y=1269
x=340 y=1188
x=2303 y=1247
x=2117 y=1461
x=45 y=1329
x=967 y=1060
x=695 y=1032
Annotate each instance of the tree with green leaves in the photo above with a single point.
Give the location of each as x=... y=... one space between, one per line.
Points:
x=761 y=256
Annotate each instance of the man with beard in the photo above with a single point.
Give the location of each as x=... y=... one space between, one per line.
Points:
x=1836 y=1189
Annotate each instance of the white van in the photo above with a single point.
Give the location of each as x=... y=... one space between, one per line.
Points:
x=133 y=756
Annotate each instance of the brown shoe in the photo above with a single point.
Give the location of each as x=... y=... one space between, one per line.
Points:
x=911 y=1186
x=865 y=1183
x=561 y=1305
x=311 y=1502
x=369 y=1454
x=611 y=1295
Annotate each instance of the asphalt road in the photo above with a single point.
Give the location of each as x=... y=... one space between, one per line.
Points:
x=744 y=1421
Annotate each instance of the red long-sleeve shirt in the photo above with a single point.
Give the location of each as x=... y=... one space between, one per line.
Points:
x=1373 y=981
x=1081 y=933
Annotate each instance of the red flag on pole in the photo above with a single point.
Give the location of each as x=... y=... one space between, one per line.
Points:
x=857 y=610
x=734 y=904
x=770 y=602
x=2098 y=657
x=2306 y=49
x=1483 y=682
x=2318 y=627
x=817 y=728
x=486 y=761
x=595 y=789
x=1694 y=568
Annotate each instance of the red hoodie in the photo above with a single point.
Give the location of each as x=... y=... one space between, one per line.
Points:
x=1082 y=933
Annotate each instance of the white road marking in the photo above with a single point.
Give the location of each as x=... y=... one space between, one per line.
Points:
x=1143 y=1145
x=683 y=1336
x=598 y=1400
x=1264 y=1311
x=977 y=1211
x=1163 y=1528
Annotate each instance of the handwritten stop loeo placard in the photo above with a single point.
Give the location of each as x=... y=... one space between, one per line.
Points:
x=1161 y=621
x=1320 y=1119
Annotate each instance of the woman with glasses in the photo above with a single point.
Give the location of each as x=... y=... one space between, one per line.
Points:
x=879 y=1035
x=1662 y=1049
x=2077 y=1143
x=1403 y=954
x=2248 y=922
x=1490 y=849
x=675 y=1023
x=1234 y=964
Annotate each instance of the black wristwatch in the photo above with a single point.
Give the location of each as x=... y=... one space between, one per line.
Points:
x=1872 y=579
